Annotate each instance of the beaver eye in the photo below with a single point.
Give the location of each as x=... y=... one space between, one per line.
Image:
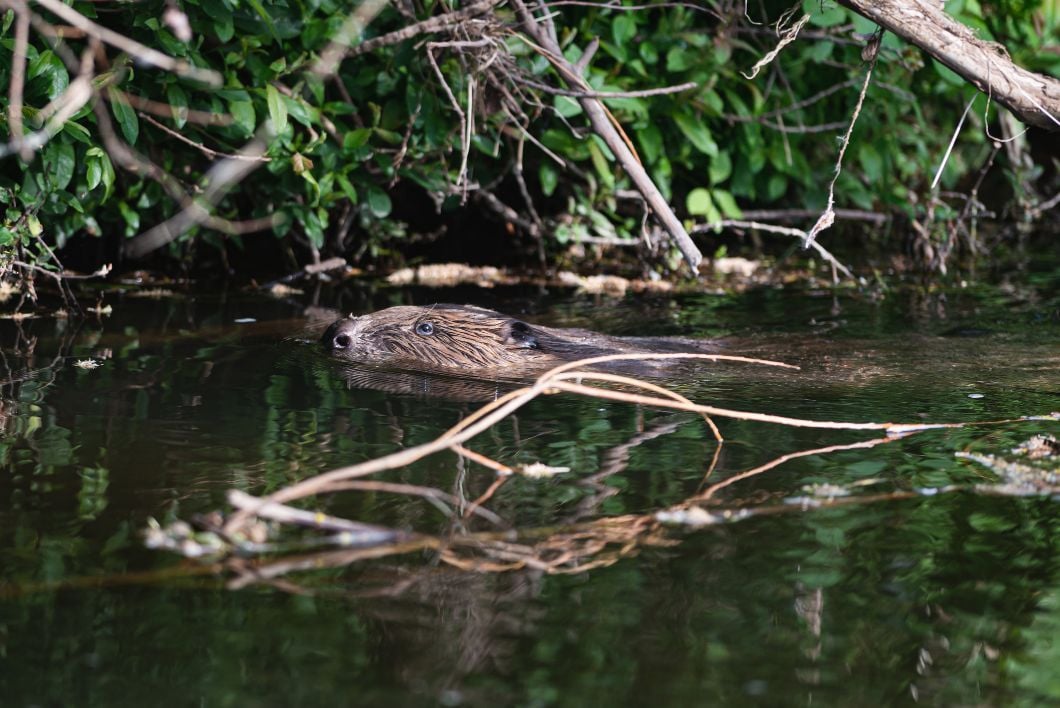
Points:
x=425 y=328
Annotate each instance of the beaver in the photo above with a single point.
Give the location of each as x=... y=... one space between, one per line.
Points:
x=464 y=339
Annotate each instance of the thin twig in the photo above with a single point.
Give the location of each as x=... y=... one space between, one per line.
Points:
x=140 y=52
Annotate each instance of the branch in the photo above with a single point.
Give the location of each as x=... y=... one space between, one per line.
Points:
x=1033 y=98
x=601 y=121
x=138 y=51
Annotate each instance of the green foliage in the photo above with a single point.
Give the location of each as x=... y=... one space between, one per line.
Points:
x=337 y=146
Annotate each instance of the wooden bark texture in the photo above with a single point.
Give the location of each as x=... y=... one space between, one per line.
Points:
x=1033 y=98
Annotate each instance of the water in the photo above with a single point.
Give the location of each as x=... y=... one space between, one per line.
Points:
x=946 y=599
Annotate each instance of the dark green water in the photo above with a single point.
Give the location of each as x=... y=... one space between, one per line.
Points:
x=952 y=599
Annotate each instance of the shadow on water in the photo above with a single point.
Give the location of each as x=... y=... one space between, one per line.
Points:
x=951 y=599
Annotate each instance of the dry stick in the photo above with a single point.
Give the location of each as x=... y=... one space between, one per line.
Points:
x=601 y=123
x=630 y=381
x=429 y=493
x=165 y=110
x=18 y=77
x=139 y=51
x=489 y=414
x=663 y=90
x=787 y=231
x=430 y=25
x=710 y=491
x=349 y=34
x=953 y=141
x=1033 y=98
x=828 y=217
x=789 y=36
x=300 y=517
x=475 y=506
x=199 y=146
x=221 y=177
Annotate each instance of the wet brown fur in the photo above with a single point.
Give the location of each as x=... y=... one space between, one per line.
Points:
x=466 y=339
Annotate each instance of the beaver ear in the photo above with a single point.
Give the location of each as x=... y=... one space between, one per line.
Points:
x=522 y=335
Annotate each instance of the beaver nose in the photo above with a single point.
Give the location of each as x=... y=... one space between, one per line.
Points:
x=338 y=337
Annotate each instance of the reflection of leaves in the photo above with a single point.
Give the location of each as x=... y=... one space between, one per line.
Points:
x=53 y=444
x=92 y=498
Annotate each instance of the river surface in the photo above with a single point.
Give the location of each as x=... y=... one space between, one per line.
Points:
x=920 y=589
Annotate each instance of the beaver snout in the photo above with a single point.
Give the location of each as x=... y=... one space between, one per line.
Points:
x=340 y=335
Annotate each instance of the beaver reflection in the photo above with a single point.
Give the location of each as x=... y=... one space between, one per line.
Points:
x=463 y=339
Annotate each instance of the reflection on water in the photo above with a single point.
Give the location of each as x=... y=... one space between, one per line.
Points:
x=950 y=599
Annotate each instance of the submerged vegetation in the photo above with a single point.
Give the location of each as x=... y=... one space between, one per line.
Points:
x=214 y=128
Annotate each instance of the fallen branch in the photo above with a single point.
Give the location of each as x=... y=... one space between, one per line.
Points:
x=1033 y=98
x=603 y=124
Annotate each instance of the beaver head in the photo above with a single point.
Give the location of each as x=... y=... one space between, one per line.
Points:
x=440 y=337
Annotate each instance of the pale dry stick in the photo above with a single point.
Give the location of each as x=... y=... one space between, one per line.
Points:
x=431 y=494
x=497 y=467
x=430 y=25
x=731 y=413
x=347 y=36
x=785 y=230
x=18 y=78
x=138 y=51
x=219 y=179
x=661 y=91
x=165 y=110
x=637 y=383
x=477 y=422
x=828 y=217
x=789 y=36
x=300 y=517
x=465 y=150
x=614 y=5
x=602 y=123
x=498 y=482
x=199 y=146
x=953 y=141
x=76 y=95
x=711 y=490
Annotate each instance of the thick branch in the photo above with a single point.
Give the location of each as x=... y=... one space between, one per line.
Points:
x=1033 y=98
x=600 y=120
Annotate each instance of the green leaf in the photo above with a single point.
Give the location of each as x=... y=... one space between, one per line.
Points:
x=567 y=106
x=651 y=143
x=600 y=164
x=277 y=109
x=7 y=236
x=356 y=138
x=623 y=28
x=265 y=17
x=697 y=133
x=61 y=163
x=131 y=216
x=548 y=177
x=126 y=117
x=871 y=162
x=720 y=168
x=102 y=160
x=51 y=71
x=243 y=116
x=726 y=203
x=179 y=101
x=679 y=59
x=378 y=202
x=94 y=173
x=699 y=203
x=347 y=187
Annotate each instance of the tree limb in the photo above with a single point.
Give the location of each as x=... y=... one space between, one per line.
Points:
x=1033 y=98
